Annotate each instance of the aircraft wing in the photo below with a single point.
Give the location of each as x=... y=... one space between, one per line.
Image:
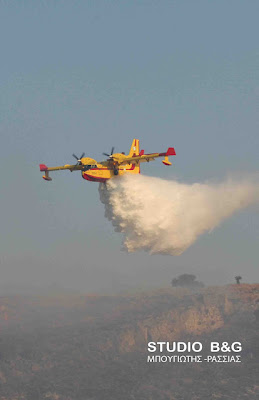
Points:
x=149 y=157
x=75 y=167
x=46 y=169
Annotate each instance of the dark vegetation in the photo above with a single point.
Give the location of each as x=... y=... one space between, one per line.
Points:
x=94 y=347
x=187 y=280
x=238 y=279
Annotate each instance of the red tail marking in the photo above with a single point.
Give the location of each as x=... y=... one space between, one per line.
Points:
x=170 y=152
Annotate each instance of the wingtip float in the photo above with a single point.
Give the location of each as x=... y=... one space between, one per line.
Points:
x=116 y=164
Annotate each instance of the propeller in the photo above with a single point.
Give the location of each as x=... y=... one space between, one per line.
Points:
x=79 y=162
x=109 y=155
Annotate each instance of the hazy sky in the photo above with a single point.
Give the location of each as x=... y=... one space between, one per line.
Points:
x=88 y=75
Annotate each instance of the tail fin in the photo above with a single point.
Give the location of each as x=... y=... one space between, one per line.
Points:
x=134 y=150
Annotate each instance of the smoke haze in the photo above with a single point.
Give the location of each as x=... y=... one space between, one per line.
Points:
x=166 y=217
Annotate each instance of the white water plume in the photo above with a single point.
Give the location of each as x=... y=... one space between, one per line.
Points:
x=166 y=217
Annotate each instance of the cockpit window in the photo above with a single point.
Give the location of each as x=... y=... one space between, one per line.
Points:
x=87 y=167
x=90 y=166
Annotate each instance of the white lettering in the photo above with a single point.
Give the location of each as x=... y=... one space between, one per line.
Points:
x=151 y=347
x=194 y=345
x=172 y=349
x=214 y=347
x=236 y=347
x=161 y=345
x=181 y=347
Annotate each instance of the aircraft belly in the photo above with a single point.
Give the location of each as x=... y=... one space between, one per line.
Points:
x=97 y=175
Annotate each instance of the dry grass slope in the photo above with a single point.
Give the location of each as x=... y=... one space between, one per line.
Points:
x=95 y=347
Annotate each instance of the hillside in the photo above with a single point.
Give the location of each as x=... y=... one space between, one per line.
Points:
x=95 y=347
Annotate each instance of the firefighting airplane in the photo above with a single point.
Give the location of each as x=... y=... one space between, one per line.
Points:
x=115 y=164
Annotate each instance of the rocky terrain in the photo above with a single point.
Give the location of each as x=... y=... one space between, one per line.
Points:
x=95 y=347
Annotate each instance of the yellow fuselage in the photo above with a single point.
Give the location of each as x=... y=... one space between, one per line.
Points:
x=102 y=171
